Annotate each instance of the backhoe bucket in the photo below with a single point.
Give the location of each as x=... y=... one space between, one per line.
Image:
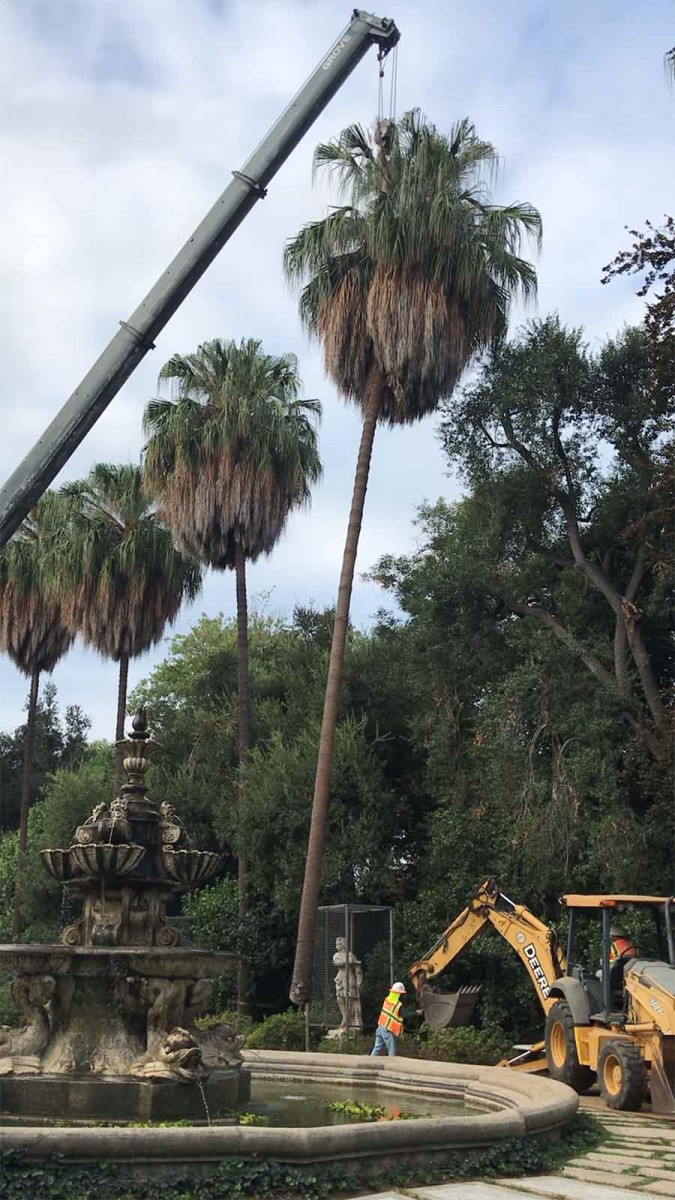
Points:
x=444 y=1010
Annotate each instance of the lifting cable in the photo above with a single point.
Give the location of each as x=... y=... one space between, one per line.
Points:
x=382 y=56
x=394 y=84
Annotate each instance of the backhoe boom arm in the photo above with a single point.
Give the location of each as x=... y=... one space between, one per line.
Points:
x=534 y=942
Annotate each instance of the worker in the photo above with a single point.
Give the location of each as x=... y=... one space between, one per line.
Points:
x=389 y=1023
x=621 y=949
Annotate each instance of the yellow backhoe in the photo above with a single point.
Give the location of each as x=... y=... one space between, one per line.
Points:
x=618 y=1028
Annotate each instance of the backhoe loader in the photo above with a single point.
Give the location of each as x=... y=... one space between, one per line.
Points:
x=620 y=1031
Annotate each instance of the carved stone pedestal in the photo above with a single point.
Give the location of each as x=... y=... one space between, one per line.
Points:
x=94 y=1015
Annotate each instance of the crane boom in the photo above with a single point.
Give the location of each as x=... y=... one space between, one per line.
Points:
x=136 y=335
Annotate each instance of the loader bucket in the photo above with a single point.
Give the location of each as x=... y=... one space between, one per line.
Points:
x=448 y=1009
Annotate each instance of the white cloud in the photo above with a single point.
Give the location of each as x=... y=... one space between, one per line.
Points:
x=121 y=121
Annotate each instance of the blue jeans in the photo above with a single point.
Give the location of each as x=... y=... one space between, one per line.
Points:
x=384 y=1040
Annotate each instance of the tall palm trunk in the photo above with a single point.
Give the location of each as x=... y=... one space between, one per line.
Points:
x=302 y=970
x=243 y=973
x=28 y=757
x=121 y=714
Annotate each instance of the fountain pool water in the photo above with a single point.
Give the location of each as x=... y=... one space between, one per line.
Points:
x=310 y=1107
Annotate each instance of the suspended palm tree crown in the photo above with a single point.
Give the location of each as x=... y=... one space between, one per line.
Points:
x=119 y=571
x=415 y=274
x=34 y=630
x=233 y=451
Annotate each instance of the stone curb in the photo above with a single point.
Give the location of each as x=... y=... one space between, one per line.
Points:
x=523 y=1105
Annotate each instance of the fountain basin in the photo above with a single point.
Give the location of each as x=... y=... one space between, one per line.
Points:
x=109 y=1034
x=47 y=1098
x=166 y=963
x=513 y=1105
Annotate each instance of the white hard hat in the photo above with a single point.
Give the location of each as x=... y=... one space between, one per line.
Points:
x=398 y=987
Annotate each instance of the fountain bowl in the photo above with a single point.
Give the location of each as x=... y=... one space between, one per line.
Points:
x=189 y=868
x=511 y=1105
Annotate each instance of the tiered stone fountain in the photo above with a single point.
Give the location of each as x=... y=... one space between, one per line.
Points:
x=108 y=1015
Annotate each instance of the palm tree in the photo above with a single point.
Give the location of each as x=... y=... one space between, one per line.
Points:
x=403 y=285
x=35 y=633
x=120 y=574
x=229 y=457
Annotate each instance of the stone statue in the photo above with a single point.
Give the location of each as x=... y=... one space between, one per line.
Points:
x=31 y=995
x=348 y=983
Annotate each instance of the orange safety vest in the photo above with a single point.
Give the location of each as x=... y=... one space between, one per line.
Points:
x=389 y=1018
x=621 y=947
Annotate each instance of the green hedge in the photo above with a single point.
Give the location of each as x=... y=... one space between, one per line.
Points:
x=283 y=1031
x=286 y=1031
x=239 y=1021
x=485 y=1047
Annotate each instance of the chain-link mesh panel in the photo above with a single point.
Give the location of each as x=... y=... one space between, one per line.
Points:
x=353 y=953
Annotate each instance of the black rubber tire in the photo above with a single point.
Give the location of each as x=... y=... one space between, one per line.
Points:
x=629 y=1085
x=565 y=1066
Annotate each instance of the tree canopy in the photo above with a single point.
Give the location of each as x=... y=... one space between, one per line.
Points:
x=234 y=452
x=416 y=272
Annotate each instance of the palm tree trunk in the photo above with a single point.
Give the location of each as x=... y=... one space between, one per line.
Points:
x=28 y=757
x=121 y=715
x=243 y=972
x=302 y=969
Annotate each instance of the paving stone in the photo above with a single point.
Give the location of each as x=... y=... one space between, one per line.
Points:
x=600 y=1175
x=632 y=1151
x=658 y=1169
x=638 y=1135
x=660 y=1187
x=471 y=1191
x=660 y=1133
x=573 y=1189
x=382 y=1196
x=598 y=1159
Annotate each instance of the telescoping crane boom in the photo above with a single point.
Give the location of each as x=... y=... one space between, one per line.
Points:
x=136 y=335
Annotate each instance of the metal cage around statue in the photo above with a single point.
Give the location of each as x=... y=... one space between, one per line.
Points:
x=353 y=967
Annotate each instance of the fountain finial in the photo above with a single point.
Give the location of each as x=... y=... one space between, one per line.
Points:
x=137 y=747
x=139 y=722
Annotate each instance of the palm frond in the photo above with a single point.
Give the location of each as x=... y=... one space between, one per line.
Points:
x=234 y=452
x=119 y=577
x=417 y=279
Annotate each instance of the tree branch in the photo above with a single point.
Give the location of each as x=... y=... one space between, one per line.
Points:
x=560 y=453
x=621 y=646
x=486 y=434
x=593 y=664
x=555 y=557
x=515 y=444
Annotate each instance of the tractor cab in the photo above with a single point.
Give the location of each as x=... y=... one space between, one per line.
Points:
x=605 y=990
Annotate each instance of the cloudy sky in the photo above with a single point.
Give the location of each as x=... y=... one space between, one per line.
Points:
x=120 y=121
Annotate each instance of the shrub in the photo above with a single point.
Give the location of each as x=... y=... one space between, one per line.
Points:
x=358 y=1043
x=283 y=1031
x=484 y=1047
x=239 y=1021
